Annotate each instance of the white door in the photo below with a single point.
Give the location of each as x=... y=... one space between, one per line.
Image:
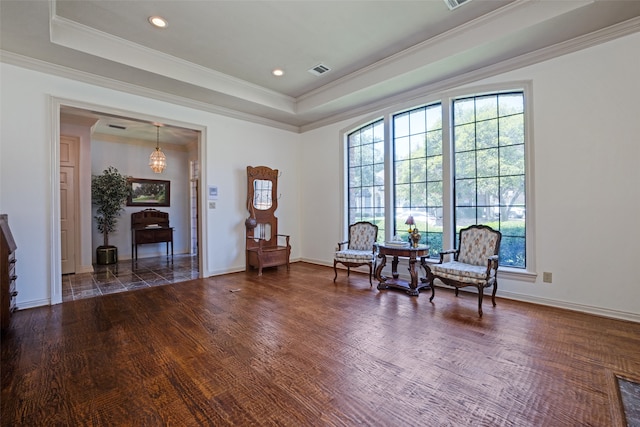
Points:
x=68 y=210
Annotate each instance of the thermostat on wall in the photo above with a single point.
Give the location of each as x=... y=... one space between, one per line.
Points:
x=213 y=192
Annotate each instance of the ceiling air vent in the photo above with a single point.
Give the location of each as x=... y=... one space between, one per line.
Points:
x=117 y=127
x=319 y=69
x=452 y=4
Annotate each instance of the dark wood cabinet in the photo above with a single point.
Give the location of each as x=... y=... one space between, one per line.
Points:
x=150 y=226
x=8 y=276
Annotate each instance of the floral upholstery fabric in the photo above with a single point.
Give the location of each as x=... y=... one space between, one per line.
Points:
x=360 y=249
x=476 y=274
x=362 y=236
x=351 y=255
x=475 y=262
x=476 y=245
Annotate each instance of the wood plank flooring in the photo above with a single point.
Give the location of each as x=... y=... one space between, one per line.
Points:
x=296 y=349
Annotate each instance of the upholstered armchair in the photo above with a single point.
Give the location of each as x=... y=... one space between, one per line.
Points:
x=359 y=250
x=475 y=262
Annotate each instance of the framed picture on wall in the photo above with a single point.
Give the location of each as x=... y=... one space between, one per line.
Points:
x=148 y=192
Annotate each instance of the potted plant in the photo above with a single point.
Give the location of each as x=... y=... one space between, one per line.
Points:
x=109 y=193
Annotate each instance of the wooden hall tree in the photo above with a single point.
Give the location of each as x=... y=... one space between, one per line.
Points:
x=264 y=246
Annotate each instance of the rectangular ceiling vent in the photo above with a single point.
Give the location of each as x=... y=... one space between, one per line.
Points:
x=319 y=69
x=117 y=127
x=452 y=4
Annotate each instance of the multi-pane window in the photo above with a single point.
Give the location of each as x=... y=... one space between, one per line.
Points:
x=417 y=161
x=489 y=171
x=366 y=175
x=485 y=149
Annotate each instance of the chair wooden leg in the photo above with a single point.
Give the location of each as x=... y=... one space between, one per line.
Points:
x=493 y=295
x=348 y=271
x=370 y=272
x=335 y=270
x=433 y=293
x=480 y=294
x=456 y=291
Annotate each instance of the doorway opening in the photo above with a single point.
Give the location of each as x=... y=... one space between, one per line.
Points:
x=125 y=142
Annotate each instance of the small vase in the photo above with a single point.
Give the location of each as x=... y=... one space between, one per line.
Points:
x=415 y=236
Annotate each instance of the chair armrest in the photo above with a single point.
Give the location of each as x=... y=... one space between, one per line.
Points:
x=447 y=252
x=286 y=236
x=260 y=242
x=340 y=244
x=450 y=251
x=492 y=263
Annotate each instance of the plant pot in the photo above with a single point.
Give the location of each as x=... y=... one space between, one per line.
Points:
x=106 y=255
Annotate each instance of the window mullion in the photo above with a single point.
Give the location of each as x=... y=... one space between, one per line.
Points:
x=448 y=187
x=388 y=178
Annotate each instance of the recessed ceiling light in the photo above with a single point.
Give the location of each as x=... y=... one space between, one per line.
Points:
x=158 y=21
x=278 y=72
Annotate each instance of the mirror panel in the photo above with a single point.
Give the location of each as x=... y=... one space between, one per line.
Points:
x=262 y=194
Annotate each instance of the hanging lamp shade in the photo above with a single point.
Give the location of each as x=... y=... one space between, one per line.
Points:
x=157 y=159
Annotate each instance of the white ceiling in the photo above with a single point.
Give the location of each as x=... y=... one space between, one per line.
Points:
x=218 y=55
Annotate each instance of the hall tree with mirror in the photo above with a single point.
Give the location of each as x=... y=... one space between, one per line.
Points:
x=265 y=247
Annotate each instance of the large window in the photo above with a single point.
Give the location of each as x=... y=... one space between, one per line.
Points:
x=417 y=159
x=366 y=175
x=471 y=172
x=488 y=140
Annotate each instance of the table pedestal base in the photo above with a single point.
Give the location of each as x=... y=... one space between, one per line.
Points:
x=404 y=285
x=413 y=286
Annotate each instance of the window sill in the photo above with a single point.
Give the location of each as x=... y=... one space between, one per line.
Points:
x=517 y=274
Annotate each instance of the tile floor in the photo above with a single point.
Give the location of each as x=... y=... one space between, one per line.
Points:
x=128 y=275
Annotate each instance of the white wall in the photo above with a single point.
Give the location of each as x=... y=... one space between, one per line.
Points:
x=586 y=177
x=27 y=179
x=586 y=181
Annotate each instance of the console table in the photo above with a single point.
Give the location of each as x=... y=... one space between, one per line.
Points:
x=412 y=287
x=150 y=226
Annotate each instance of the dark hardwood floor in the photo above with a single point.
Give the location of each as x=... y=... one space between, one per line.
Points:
x=296 y=349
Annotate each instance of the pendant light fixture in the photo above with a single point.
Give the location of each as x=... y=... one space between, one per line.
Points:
x=157 y=159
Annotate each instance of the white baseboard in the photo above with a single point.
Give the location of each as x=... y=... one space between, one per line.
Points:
x=222 y=271
x=23 y=305
x=84 y=269
x=597 y=311
x=589 y=309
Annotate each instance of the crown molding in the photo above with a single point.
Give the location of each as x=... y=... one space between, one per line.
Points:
x=84 y=77
x=604 y=35
x=598 y=37
x=165 y=146
x=490 y=27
